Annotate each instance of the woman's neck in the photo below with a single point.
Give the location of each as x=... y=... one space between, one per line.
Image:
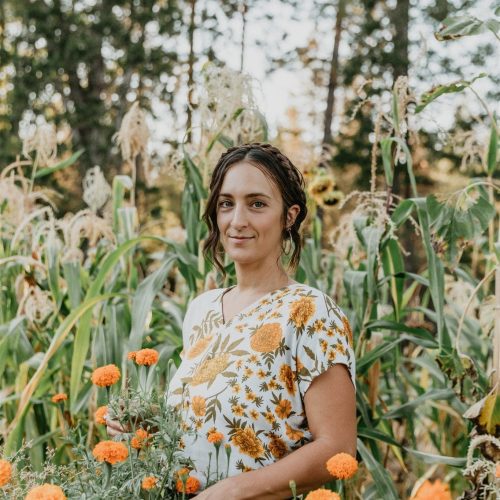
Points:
x=262 y=279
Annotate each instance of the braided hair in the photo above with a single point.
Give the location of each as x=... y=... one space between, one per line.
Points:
x=281 y=171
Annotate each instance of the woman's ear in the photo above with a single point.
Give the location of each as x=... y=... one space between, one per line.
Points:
x=291 y=215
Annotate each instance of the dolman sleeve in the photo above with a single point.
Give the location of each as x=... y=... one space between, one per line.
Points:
x=324 y=338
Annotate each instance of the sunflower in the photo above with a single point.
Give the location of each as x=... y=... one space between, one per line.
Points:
x=248 y=443
x=266 y=338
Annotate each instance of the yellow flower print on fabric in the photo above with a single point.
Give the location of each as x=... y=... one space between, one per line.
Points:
x=199 y=347
x=347 y=329
x=283 y=409
x=267 y=338
x=248 y=443
x=277 y=447
x=287 y=377
x=302 y=310
x=199 y=406
x=209 y=369
x=293 y=434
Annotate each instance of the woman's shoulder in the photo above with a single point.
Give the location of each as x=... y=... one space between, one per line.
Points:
x=320 y=301
x=205 y=299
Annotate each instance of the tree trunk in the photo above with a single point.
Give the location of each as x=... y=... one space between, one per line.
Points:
x=400 y=17
x=401 y=20
x=244 y=10
x=332 y=84
x=191 y=70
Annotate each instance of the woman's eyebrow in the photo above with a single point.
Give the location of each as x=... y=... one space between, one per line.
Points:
x=250 y=195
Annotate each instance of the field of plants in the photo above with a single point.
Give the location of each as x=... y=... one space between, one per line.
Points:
x=92 y=305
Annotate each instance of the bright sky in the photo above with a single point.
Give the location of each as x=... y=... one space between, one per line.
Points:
x=284 y=88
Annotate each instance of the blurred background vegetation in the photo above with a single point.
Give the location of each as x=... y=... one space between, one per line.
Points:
x=391 y=120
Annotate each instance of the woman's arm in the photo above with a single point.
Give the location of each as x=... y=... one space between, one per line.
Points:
x=330 y=405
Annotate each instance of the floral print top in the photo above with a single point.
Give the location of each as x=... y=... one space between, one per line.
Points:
x=247 y=378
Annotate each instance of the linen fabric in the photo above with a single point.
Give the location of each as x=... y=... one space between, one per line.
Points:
x=247 y=378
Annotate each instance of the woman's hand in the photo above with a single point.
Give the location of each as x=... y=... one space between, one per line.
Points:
x=114 y=428
x=227 y=488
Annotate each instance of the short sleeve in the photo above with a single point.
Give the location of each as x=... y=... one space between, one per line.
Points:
x=324 y=338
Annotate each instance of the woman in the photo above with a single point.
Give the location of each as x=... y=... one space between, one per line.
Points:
x=268 y=363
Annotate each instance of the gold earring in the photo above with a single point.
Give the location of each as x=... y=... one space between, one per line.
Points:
x=287 y=251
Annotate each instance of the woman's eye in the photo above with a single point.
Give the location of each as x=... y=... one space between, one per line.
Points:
x=222 y=203
x=261 y=204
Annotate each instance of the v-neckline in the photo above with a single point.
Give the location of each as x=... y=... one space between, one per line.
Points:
x=239 y=313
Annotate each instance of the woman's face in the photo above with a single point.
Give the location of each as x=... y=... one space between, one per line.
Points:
x=249 y=215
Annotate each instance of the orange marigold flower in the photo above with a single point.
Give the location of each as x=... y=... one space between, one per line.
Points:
x=140 y=439
x=342 y=466
x=57 y=398
x=5 y=472
x=433 y=491
x=100 y=414
x=131 y=355
x=497 y=471
x=215 y=437
x=182 y=472
x=146 y=357
x=110 y=451
x=322 y=494
x=106 y=375
x=46 y=492
x=148 y=483
x=192 y=485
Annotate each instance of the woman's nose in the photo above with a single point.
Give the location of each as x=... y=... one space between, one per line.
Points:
x=240 y=218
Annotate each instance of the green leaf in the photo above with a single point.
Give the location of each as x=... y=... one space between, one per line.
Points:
x=386 y=151
x=435 y=272
x=457 y=27
x=372 y=235
x=430 y=395
x=430 y=458
x=381 y=478
x=377 y=435
x=435 y=92
x=392 y=263
x=59 y=166
x=402 y=212
x=143 y=299
x=492 y=150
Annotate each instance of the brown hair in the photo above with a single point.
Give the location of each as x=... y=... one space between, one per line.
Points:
x=280 y=170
